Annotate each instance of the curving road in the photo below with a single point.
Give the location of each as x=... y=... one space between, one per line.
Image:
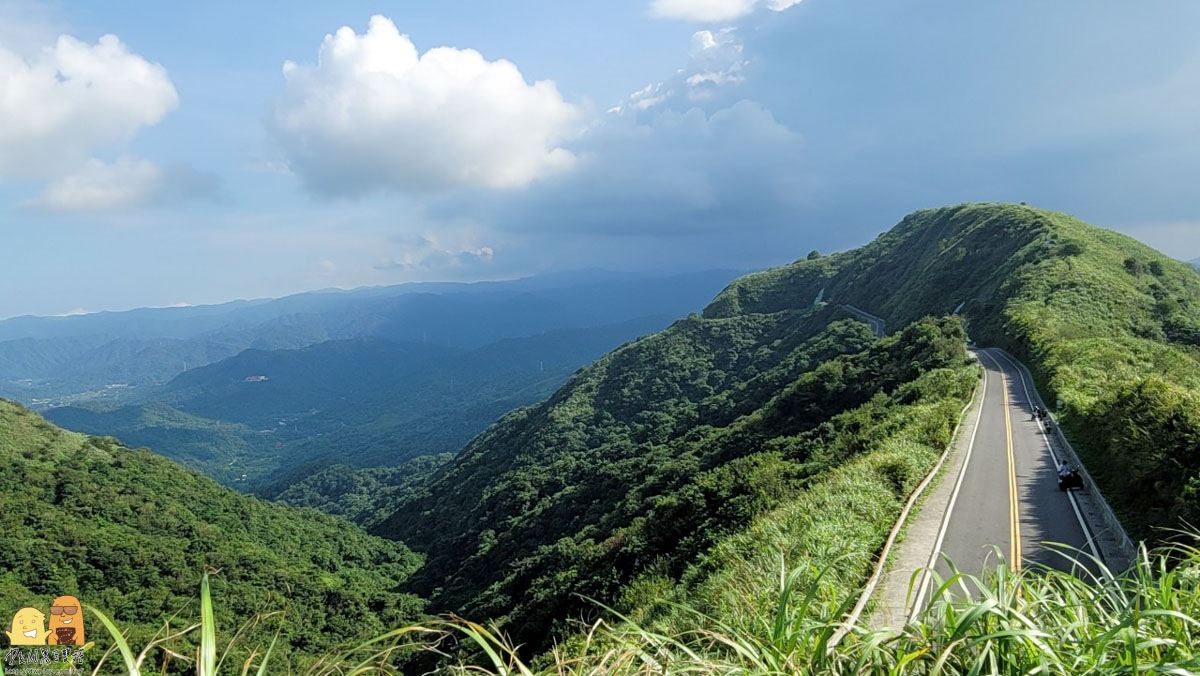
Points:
x=1004 y=503
x=874 y=322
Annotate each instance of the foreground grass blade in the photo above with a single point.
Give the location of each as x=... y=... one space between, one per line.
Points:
x=206 y=665
x=119 y=639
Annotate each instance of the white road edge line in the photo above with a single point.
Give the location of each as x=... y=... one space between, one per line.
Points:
x=1087 y=533
x=927 y=574
x=873 y=581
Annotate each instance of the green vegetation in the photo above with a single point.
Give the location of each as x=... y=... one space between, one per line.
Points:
x=131 y=532
x=1109 y=326
x=365 y=402
x=646 y=460
x=1037 y=621
x=666 y=471
x=721 y=487
x=365 y=496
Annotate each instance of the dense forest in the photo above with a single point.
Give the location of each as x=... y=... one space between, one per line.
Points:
x=266 y=418
x=131 y=532
x=646 y=459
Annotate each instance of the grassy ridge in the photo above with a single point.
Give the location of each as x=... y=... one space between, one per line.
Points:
x=1108 y=325
x=648 y=459
x=832 y=529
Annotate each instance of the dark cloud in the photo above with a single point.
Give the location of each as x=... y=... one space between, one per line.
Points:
x=675 y=174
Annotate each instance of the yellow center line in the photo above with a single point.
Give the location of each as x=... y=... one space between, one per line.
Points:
x=1014 y=510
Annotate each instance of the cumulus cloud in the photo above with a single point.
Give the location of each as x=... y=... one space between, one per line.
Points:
x=427 y=252
x=715 y=61
x=126 y=183
x=373 y=113
x=712 y=11
x=73 y=100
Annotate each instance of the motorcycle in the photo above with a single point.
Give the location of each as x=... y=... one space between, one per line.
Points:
x=1071 y=481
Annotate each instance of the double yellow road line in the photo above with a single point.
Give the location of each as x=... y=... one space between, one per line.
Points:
x=1014 y=501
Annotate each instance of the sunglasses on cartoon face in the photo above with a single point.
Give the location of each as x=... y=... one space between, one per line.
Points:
x=63 y=610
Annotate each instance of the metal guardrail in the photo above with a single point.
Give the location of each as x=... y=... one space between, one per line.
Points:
x=876 y=323
x=1120 y=555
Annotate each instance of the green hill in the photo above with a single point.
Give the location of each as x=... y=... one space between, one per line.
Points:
x=685 y=457
x=1110 y=327
x=131 y=532
x=267 y=418
x=643 y=461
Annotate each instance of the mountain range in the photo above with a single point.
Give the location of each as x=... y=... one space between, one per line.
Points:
x=363 y=402
x=48 y=361
x=679 y=474
x=647 y=459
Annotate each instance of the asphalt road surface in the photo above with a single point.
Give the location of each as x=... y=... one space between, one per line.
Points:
x=1006 y=506
x=874 y=322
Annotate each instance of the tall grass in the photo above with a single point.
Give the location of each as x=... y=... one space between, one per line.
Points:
x=1039 y=621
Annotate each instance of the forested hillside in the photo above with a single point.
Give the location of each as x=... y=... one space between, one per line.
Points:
x=650 y=462
x=267 y=418
x=648 y=458
x=131 y=532
x=1110 y=327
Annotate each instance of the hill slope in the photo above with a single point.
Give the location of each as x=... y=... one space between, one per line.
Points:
x=273 y=417
x=131 y=532
x=718 y=427
x=1110 y=327
x=647 y=458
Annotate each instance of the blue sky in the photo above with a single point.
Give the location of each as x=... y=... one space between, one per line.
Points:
x=161 y=153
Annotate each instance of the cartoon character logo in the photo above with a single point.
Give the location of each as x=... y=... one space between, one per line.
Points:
x=28 y=628
x=66 y=621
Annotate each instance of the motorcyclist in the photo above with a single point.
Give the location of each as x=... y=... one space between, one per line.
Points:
x=1064 y=470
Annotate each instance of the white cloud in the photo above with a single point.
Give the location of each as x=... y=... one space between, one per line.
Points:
x=129 y=182
x=100 y=186
x=432 y=251
x=373 y=113
x=716 y=59
x=712 y=11
x=72 y=100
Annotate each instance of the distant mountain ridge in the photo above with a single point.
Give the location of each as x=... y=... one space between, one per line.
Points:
x=55 y=360
x=363 y=402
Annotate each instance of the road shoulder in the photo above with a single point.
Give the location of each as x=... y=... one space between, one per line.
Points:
x=923 y=527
